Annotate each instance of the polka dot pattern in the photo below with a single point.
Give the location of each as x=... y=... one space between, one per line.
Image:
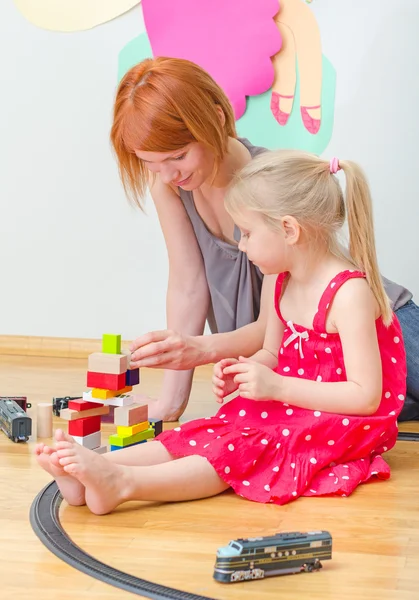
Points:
x=274 y=451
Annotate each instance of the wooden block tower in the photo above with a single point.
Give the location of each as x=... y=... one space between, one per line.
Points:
x=110 y=378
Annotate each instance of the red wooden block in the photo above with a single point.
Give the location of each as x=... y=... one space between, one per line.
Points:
x=82 y=405
x=82 y=427
x=105 y=381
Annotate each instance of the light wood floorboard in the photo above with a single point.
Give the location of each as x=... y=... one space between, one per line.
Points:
x=375 y=532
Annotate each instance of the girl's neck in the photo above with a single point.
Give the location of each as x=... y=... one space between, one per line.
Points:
x=236 y=157
x=314 y=265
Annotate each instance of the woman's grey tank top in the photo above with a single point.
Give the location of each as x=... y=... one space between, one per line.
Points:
x=234 y=282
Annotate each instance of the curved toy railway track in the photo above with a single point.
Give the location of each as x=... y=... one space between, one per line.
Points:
x=45 y=521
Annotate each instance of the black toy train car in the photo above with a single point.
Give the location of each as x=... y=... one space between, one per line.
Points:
x=256 y=558
x=59 y=403
x=14 y=422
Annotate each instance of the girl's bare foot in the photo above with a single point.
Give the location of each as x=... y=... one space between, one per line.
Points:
x=71 y=489
x=106 y=483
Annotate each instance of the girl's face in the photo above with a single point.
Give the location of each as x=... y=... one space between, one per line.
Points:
x=187 y=168
x=265 y=247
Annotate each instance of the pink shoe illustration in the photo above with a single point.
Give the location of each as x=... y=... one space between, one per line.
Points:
x=281 y=116
x=312 y=125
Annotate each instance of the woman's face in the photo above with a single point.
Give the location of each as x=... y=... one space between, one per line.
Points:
x=187 y=168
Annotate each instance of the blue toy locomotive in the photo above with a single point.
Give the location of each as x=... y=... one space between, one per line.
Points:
x=14 y=421
x=256 y=558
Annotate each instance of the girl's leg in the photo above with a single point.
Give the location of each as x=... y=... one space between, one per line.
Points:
x=72 y=490
x=109 y=484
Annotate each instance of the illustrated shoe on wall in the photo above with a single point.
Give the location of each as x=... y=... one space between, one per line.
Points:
x=310 y=123
x=281 y=116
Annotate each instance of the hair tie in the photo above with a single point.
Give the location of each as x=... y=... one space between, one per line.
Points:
x=334 y=165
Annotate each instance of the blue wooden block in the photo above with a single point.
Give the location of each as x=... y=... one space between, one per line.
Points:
x=132 y=377
x=113 y=448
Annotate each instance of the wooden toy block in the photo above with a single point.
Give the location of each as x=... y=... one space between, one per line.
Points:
x=111 y=344
x=81 y=405
x=115 y=364
x=116 y=440
x=101 y=450
x=157 y=425
x=126 y=416
x=83 y=427
x=132 y=377
x=132 y=430
x=105 y=381
x=72 y=415
x=113 y=448
x=104 y=394
x=44 y=420
x=91 y=441
x=123 y=400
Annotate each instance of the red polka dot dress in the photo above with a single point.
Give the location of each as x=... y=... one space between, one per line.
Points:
x=269 y=451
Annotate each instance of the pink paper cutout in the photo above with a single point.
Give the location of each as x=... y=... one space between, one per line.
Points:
x=231 y=39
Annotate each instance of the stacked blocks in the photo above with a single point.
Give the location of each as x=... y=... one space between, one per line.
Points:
x=110 y=378
x=84 y=423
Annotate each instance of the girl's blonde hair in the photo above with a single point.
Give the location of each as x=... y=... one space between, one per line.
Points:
x=300 y=184
x=162 y=105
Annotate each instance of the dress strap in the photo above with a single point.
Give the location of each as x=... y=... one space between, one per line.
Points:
x=278 y=293
x=319 y=321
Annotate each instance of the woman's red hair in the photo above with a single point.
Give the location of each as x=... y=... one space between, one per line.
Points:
x=163 y=104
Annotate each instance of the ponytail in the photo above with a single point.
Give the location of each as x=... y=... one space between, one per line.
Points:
x=361 y=234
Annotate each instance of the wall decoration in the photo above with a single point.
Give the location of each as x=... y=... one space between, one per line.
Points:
x=234 y=41
x=72 y=15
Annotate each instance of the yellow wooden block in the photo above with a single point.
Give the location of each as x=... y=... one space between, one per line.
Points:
x=106 y=394
x=127 y=431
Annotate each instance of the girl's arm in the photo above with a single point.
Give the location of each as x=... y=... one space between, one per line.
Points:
x=353 y=313
x=245 y=341
x=268 y=355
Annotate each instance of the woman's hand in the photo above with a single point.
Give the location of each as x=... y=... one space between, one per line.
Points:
x=223 y=385
x=254 y=380
x=166 y=350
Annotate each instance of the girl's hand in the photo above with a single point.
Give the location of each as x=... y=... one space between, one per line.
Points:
x=223 y=385
x=165 y=350
x=255 y=381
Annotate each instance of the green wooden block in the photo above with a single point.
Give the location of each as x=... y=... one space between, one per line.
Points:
x=111 y=344
x=122 y=442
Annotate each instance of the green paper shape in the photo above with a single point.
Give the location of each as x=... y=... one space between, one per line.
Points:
x=134 y=52
x=258 y=123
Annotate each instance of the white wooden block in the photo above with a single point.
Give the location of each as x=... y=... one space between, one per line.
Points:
x=91 y=441
x=101 y=450
x=123 y=400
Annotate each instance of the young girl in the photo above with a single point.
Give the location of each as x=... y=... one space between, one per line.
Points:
x=318 y=404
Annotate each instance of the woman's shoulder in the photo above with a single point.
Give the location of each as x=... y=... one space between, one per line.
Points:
x=254 y=150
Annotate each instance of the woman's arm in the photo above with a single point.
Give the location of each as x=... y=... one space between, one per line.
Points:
x=353 y=313
x=187 y=298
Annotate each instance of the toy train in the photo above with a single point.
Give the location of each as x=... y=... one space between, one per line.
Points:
x=279 y=554
x=59 y=403
x=14 y=422
x=21 y=400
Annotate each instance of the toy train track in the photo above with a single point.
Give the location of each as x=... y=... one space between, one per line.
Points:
x=45 y=521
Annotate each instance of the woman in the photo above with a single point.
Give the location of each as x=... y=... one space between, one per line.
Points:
x=174 y=132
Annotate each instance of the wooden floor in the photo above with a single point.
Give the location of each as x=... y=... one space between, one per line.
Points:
x=375 y=532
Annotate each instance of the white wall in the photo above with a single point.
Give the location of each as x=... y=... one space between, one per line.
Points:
x=75 y=259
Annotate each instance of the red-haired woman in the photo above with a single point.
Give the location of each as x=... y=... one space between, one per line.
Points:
x=174 y=132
